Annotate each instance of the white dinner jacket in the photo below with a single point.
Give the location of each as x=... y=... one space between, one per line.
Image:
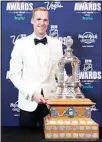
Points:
x=25 y=71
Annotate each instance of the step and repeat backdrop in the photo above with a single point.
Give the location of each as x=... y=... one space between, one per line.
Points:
x=80 y=20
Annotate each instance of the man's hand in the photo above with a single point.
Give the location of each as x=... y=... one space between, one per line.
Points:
x=46 y=100
x=38 y=98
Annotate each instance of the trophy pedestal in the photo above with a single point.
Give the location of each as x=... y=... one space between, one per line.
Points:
x=70 y=119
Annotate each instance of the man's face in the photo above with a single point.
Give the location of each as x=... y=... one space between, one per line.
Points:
x=40 y=22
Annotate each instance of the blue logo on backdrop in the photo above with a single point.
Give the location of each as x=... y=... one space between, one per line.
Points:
x=87 y=9
x=19 y=9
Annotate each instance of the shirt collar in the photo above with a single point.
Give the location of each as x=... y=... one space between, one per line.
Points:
x=35 y=36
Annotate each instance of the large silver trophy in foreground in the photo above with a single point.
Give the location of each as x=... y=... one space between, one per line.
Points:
x=70 y=111
x=68 y=88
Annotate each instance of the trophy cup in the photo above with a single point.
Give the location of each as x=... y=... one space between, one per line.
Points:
x=67 y=89
x=70 y=112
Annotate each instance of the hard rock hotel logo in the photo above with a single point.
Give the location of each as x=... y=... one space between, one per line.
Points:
x=87 y=9
x=15 y=108
x=19 y=9
x=87 y=39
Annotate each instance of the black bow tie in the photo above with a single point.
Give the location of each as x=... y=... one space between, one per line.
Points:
x=37 y=41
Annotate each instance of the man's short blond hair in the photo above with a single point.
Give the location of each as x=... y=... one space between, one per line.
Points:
x=38 y=9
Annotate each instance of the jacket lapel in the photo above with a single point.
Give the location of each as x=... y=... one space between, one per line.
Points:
x=33 y=54
x=49 y=61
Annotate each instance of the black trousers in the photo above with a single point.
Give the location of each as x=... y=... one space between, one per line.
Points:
x=30 y=119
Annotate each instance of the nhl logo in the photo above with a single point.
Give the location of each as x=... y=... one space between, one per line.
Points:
x=53 y=31
x=88 y=65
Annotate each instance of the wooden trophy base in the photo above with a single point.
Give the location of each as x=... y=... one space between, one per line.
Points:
x=68 y=125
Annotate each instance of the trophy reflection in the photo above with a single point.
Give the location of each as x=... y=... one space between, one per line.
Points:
x=69 y=88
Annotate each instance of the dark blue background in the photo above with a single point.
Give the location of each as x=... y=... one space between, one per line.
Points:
x=69 y=23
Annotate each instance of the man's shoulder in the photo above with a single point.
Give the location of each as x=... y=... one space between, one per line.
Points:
x=24 y=39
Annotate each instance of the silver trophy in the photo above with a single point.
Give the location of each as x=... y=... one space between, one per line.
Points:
x=69 y=88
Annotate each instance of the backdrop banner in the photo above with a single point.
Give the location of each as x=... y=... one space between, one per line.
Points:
x=80 y=20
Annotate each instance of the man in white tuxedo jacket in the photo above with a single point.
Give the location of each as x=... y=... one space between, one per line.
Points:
x=33 y=67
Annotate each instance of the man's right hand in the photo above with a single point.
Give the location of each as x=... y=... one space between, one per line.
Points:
x=38 y=98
